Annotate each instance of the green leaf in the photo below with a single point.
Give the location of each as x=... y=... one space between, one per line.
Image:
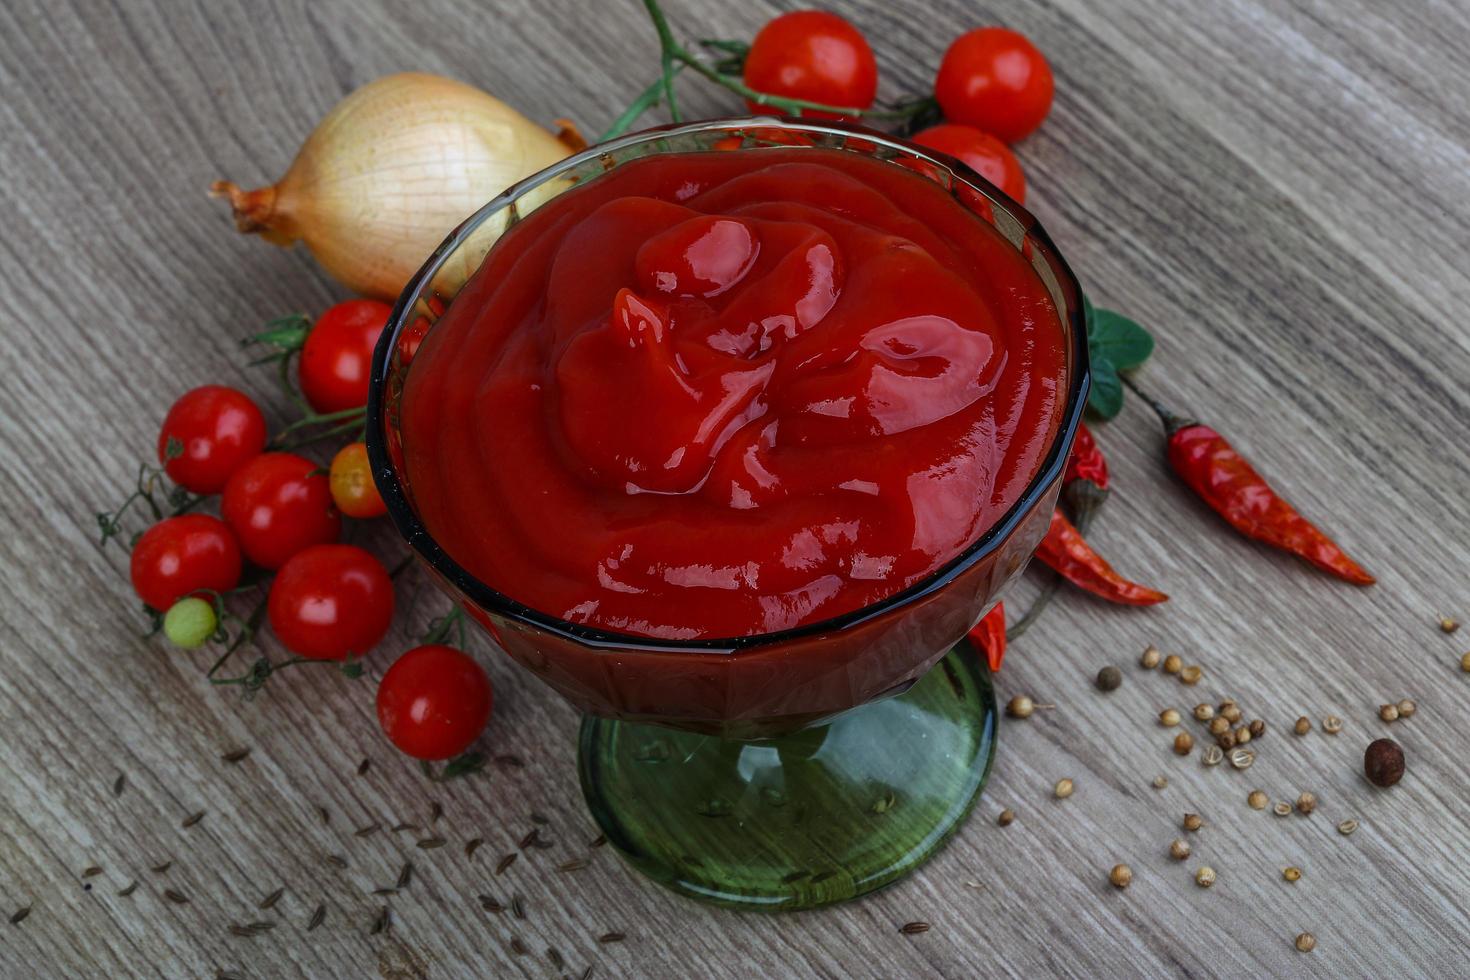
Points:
x=1119 y=340
x=1105 y=400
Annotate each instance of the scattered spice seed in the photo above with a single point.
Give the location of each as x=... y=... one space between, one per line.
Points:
x=1383 y=762
x=243 y=931
x=1230 y=712
x=1173 y=663
x=1306 y=803
x=1219 y=725
x=321 y=812
x=1447 y=625
x=617 y=937
x=1257 y=728
x=510 y=761
x=1306 y=942
x=367 y=831
x=1282 y=808
x=228 y=975
x=364 y=766
x=1168 y=717
x=517 y=947
x=1292 y=873
x=586 y=974
x=1179 y=850
x=1388 y=712
x=436 y=810
x=385 y=891
x=1191 y=674
x=235 y=755
x=555 y=958
x=317 y=918
x=1465 y=663
x=1205 y=876
x=1193 y=822
x=1303 y=725
x=1257 y=800
x=1242 y=735
x=1020 y=706
x=1006 y=818
x=1183 y=743
x=1110 y=678
x=490 y=904
x=1212 y=756
x=269 y=902
x=1204 y=712
x=1121 y=876
x=335 y=860
x=517 y=907
x=91 y=871
x=472 y=846
x=506 y=861
x=529 y=839
x=1063 y=789
x=256 y=928
x=159 y=869
x=1407 y=708
x=540 y=819
x=178 y=898
x=400 y=828
x=192 y=819
x=128 y=889
x=1150 y=658
x=598 y=841
x=1226 y=741
x=405 y=875
x=1242 y=758
x=382 y=922
x=575 y=864
x=1160 y=782
x=19 y=915
x=121 y=781
x=1332 y=724
x=430 y=843
x=1347 y=827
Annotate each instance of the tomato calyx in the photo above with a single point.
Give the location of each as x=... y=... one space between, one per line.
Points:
x=460 y=766
x=151 y=487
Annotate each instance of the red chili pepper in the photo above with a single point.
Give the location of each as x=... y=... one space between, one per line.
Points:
x=1087 y=461
x=1065 y=550
x=989 y=637
x=1232 y=487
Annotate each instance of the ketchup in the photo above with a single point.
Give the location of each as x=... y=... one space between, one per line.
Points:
x=720 y=394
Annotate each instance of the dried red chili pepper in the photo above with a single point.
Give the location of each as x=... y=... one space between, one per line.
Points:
x=988 y=637
x=1065 y=550
x=1087 y=461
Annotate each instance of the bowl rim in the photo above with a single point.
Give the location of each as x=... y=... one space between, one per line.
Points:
x=412 y=529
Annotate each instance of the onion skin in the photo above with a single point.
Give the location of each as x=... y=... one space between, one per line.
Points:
x=389 y=172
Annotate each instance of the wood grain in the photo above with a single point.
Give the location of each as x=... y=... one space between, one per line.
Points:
x=1279 y=189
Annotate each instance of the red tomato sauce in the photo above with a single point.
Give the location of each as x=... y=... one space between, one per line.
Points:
x=720 y=394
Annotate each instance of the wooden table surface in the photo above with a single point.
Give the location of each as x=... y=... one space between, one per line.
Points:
x=1280 y=189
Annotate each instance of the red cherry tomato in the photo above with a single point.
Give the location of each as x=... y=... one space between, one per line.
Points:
x=337 y=357
x=434 y=702
x=981 y=152
x=331 y=601
x=995 y=80
x=180 y=556
x=353 y=489
x=214 y=430
x=812 y=55
x=278 y=504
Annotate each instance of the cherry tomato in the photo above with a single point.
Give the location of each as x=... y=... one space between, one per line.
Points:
x=331 y=601
x=278 y=504
x=812 y=55
x=995 y=80
x=981 y=152
x=337 y=357
x=353 y=489
x=214 y=430
x=434 y=702
x=182 y=555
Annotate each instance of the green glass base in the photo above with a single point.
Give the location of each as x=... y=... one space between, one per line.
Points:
x=803 y=820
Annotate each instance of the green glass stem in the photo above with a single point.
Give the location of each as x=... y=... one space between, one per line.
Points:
x=803 y=820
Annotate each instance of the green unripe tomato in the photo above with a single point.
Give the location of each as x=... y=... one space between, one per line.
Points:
x=189 y=623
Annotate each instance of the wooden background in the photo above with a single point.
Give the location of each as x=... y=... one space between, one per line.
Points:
x=1279 y=189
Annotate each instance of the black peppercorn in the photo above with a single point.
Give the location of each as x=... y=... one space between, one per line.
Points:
x=1383 y=763
x=1109 y=679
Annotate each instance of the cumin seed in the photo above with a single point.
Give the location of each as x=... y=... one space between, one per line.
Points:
x=335 y=860
x=178 y=898
x=241 y=931
x=400 y=828
x=385 y=891
x=436 y=810
x=554 y=956
x=914 y=928
x=161 y=868
x=269 y=902
x=381 y=923
x=118 y=784
x=260 y=926
x=19 y=915
x=236 y=755
x=586 y=974
x=228 y=975
x=517 y=907
x=367 y=831
x=575 y=864
x=317 y=918
x=506 y=862
x=364 y=766
x=405 y=875
x=598 y=841
x=321 y=812
x=489 y=904
x=472 y=846
x=127 y=889
x=429 y=843
x=529 y=839
x=517 y=947
x=539 y=819
x=611 y=937
x=192 y=819
x=91 y=871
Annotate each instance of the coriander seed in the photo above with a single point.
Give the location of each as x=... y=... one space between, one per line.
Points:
x=1168 y=717
x=1447 y=625
x=1388 y=712
x=1306 y=803
x=1173 y=663
x=1303 y=725
x=1212 y=756
x=1205 y=876
x=1465 y=663
x=1179 y=850
x=1226 y=740
x=1242 y=758
x=1332 y=724
x=1191 y=674
x=1193 y=822
x=1183 y=743
x=1232 y=713
x=1219 y=725
x=1204 y=712
x=1121 y=876
x=1347 y=827
x=1383 y=762
x=1282 y=808
x=1306 y=942
x=1020 y=706
x=1150 y=658
x=1406 y=708
x=1292 y=873
x=1257 y=728
x=1160 y=782
x=1242 y=735
x=1063 y=788
x=1257 y=800
x=1006 y=818
x=1109 y=679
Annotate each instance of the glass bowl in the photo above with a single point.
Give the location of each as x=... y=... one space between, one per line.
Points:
x=736 y=770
